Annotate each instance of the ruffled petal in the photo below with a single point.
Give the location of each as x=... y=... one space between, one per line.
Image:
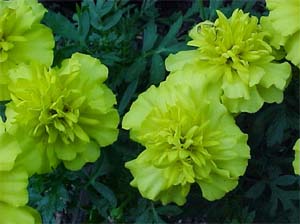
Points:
x=177 y=61
x=271 y=94
x=38 y=46
x=149 y=180
x=106 y=131
x=216 y=187
x=296 y=162
x=276 y=74
x=251 y=105
x=32 y=151
x=292 y=47
x=90 y=153
x=9 y=150
x=13 y=187
x=284 y=17
x=176 y=194
x=235 y=88
x=12 y=215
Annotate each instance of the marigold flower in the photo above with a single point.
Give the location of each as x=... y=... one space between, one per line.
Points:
x=233 y=52
x=25 y=215
x=284 y=19
x=66 y=112
x=22 y=38
x=189 y=137
x=296 y=162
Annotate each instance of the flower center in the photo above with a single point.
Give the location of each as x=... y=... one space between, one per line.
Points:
x=60 y=119
x=5 y=44
x=180 y=141
x=4 y=47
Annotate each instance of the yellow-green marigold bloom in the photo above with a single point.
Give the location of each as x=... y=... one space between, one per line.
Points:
x=189 y=138
x=15 y=215
x=233 y=53
x=62 y=114
x=284 y=19
x=296 y=162
x=22 y=38
x=13 y=187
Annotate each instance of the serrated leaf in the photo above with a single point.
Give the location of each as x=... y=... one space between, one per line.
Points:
x=157 y=70
x=91 y=7
x=106 y=193
x=249 y=5
x=213 y=6
x=256 y=190
x=156 y=217
x=273 y=203
x=137 y=68
x=100 y=203
x=104 y=7
x=169 y=210
x=61 y=25
x=285 y=180
x=195 y=8
x=174 y=48
x=284 y=199
x=128 y=94
x=250 y=217
x=99 y=4
x=145 y=217
x=84 y=25
x=171 y=35
x=150 y=36
x=276 y=130
x=111 y=21
x=238 y=4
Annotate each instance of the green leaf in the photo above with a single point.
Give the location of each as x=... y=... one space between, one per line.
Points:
x=157 y=70
x=285 y=199
x=65 y=52
x=84 y=25
x=104 y=7
x=156 y=217
x=249 y=5
x=181 y=46
x=276 y=130
x=93 y=13
x=106 y=193
x=127 y=96
x=256 y=190
x=2 y=111
x=213 y=6
x=150 y=36
x=285 y=180
x=145 y=217
x=171 y=35
x=137 y=68
x=61 y=25
x=250 y=217
x=111 y=21
x=55 y=200
x=195 y=8
x=169 y=210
